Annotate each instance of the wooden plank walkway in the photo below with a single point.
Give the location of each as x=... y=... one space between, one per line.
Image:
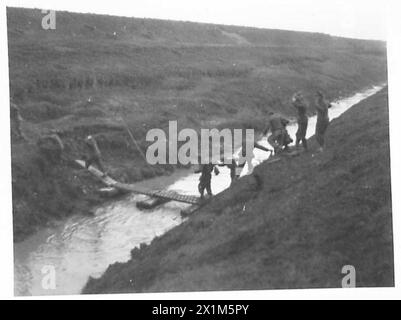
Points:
x=163 y=194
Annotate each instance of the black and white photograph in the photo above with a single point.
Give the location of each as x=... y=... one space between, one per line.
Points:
x=198 y=146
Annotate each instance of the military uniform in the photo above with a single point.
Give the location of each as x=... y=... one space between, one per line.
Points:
x=52 y=147
x=206 y=178
x=94 y=155
x=279 y=137
x=322 y=120
x=302 y=119
x=16 y=119
x=235 y=169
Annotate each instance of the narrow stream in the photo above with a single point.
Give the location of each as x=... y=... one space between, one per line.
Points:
x=84 y=246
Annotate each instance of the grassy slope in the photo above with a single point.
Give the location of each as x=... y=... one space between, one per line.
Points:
x=311 y=216
x=151 y=72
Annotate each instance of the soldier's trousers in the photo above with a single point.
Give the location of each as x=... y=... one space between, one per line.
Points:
x=301 y=133
x=205 y=185
x=321 y=128
x=278 y=139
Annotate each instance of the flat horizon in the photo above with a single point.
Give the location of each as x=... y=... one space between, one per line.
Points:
x=352 y=24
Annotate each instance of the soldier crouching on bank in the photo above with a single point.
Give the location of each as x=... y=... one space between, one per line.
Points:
x=51 y=146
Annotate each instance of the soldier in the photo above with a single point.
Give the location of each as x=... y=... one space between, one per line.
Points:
x=235 y=168
x=300 y=105
x=94 y=155
x=51 y=146
x=237 y=165
x=206 y=178
x=279 y=137
x=323 y=120
x=16 y=119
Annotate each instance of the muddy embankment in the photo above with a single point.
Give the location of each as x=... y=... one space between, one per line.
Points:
x=295 y=226
x=44 y=192
x=93 y=71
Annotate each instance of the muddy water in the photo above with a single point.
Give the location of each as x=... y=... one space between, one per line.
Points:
x=84 y=246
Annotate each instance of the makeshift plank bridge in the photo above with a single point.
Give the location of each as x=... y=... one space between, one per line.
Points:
x=161 y=194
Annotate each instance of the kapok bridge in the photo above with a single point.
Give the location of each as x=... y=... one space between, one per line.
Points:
x=161 y=194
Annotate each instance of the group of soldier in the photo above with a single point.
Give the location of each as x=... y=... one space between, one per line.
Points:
x=279 y=138
x=52 y=146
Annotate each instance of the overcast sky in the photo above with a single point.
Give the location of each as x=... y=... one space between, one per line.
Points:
x=349 y=18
